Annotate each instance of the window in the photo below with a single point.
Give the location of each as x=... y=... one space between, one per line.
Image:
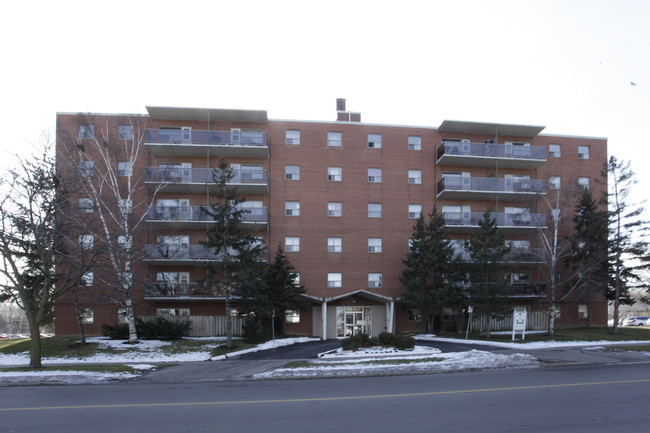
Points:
x=334 y=280
x=292 y=208
x=292 y=172
x=583 y=152
x=334 y=139
x=583 y=312
x=87 y=316
x=124 y=242
x=86 y=132
x=374 y=210
x=584 y=182
x=121 y=316
x=173 y=311
x=374 y=175
x=415 y=315
x=292 y=137
x=334 y=209
x=292 y=316
x=296 y=279
x=124 y=168
x=415 y=210
x=292 y=244
x=415 y=143
x=126 y=279
x=415 y=176
x=85 y=205
x=374 y=245
x=125 y=205
x=555 y=182
x=374 y=280
x=87 y=279
x=86 y=242
x=125 y=132
x=334 y=174
x=554 y=150
x=87 y=168
x=334 y=245
x=555 y=214
x=374 y=141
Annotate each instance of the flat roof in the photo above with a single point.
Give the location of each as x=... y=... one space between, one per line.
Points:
x=463 y=127
x=207 y=114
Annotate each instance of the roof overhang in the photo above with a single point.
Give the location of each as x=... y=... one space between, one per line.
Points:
x=207 y=114
x=461 y=127
x=363 y=294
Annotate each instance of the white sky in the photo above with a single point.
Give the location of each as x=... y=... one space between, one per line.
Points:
x=564 y=64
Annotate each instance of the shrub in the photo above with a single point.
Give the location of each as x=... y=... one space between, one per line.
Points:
x=356 y=341
x=386 y=338
x=117 y=332
x=404 y=342
x=160 y=328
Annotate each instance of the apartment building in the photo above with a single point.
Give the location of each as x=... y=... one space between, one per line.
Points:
x=341 y=198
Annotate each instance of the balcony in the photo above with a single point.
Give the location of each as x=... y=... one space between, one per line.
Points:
x=178 y=255
x=490 y=155
x=481 y=188
x=527 y=290
x=196 y=180
x=171 y=290
x=183 y=217
x=177 y=142
x=516 y=256
x=464 y=222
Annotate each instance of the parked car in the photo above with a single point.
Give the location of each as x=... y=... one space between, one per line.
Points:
x=636 y=321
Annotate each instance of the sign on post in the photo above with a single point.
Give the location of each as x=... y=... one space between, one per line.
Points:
x=519 y=323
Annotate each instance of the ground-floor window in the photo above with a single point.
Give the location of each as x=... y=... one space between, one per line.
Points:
x=353 y=320
x=583 y=312
x=172 y=311
x=415 y=315
x=292 y=316
x=87 y=316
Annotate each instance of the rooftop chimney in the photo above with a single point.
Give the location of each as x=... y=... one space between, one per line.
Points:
x=342 y=115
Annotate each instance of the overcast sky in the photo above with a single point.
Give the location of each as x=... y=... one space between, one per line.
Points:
x=576 y=67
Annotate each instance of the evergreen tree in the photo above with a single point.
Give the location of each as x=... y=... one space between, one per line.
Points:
x=433 y=274
x=487 y=292
x=238 y=266
x=628 y=247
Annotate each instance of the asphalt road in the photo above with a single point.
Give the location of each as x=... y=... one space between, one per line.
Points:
x=596 y=398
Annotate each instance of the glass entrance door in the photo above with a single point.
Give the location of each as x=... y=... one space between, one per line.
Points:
x=352 y=321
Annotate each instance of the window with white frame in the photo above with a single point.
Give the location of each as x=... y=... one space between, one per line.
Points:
x=87 y=316
x=583 y=312
x=86 y=242
x=554 y=150
x=334 y=245
x=296 y=279
x=125 y=279
x=583 y=152
x=125 y=168
x=292 y=136
x=334 y=174
x=86 y=132
x=334 y=139
x=555 y=214
x=415 y=315
x=292 y=208
x=85 y=205
x=374 y=245
x=292 y=244
x=374 y=210
x=415 y=176
x=415 y=210
x=121 y=316
x=125 y=132
x=334 y=279
x=172 y=311
x=584 y=182
x=292 y=316
x=124 y=242
x=374 y=175
x=374 y=141
x=415 y=142
x=374 y=279
x=555 y=182
x=87 y=168
x=292 y=172
x=125 y=205
x=87 y=279
x=334 y=209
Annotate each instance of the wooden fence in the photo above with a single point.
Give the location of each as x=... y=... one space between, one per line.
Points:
x=535 y=321
x=206 y=326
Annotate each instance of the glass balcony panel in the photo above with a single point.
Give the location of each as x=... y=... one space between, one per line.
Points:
x=215 y=138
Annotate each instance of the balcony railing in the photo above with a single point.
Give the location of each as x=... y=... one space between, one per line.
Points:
x=490 y=154
x=527 y=290
x=468 y=219
x=490 y=186
x=183 y=253
x=515 y=256
x=214 y=138
x=197 y=214
x=202 y=175
x=167 y=289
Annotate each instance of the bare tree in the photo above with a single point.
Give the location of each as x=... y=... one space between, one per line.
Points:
x=113 y=190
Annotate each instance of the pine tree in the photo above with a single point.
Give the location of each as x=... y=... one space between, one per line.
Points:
x=238 y=266
x=433 y=274
x=487 y=292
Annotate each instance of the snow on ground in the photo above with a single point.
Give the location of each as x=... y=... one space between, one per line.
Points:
x=532 y=345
